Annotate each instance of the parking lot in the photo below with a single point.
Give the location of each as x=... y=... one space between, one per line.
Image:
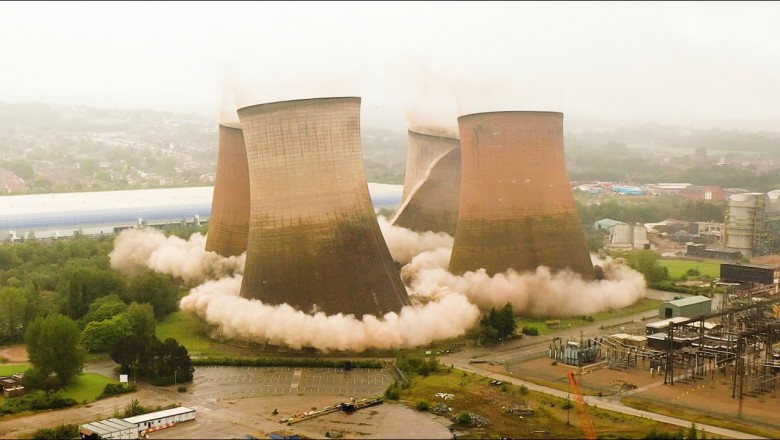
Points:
x=216 y=382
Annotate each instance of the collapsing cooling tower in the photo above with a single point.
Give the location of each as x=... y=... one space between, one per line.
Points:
x=229 y=221
x=313 y=236
x=516 y=207
x=432 y=182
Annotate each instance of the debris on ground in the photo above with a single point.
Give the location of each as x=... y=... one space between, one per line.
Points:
x=445 y=396
x=441 y=408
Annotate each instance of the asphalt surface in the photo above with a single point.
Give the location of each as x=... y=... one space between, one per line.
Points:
x=530 y=346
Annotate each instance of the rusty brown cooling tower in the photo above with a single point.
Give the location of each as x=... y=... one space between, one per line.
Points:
x=229 y=221
x=517 y=209
x=425 y=144
x=433 y=172
x=313 y=235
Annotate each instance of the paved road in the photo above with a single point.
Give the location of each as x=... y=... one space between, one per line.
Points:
x=530 y=345
x=606 y=404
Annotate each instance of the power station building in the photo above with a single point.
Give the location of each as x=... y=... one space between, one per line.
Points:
x=752 y=223
x=314 y=241
x=432 y=183
x=517 y=209
x=229 y=221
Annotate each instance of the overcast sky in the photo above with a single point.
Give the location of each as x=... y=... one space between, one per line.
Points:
x=703 y=64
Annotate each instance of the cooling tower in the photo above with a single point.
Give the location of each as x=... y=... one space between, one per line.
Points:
x=229 y=221
x=432 y=183
x=516 y=204
x=425 y=144
x=314 y=241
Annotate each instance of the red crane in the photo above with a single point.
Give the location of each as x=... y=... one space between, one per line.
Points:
x=587 y=426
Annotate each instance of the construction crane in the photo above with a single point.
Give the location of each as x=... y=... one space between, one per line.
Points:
x=587 y=426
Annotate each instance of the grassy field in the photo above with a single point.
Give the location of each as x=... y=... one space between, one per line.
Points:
x=540 y=321
x=190 y=331
x=474 y=393
x=7 y=370
x=723 y=422
x=87 y=387
x=678 y=267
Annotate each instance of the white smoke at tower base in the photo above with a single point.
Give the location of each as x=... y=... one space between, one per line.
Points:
x=540 y=293
x=218 y=303
x=446 y=305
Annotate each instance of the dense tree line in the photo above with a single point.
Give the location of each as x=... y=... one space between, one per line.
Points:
x=73 y=277
x=63 y=300
x=649 y=209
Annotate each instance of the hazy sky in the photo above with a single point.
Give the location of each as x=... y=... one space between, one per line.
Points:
x=697 y=63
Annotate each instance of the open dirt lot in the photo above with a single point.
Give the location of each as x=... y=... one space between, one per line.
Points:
x=709 y=395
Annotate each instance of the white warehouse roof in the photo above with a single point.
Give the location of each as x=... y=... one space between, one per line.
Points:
x=159 y=415
x=102 y=210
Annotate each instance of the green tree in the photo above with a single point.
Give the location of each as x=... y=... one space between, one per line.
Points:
x=104 y=308
x=156 y=289
x=13 y=303
x=142 y=319
x=103 y=335
x=83 y=285
x=53 y=346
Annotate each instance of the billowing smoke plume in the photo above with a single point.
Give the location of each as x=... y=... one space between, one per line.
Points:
x=538 y=293
x=218 y=303
x=138 y=249
x=404 y=244
x=446 y=305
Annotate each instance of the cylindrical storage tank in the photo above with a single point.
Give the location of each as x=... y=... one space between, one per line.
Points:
x=621 y=234
x=425 y=144
x=517 y=209
x=314 y=241
x=773 y=207
x=432 y=204
x=742 y=218
x=229 y=221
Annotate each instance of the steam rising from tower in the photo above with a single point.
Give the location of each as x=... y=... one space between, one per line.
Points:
x=432 y=181
x=516 y=207
x=314 y=241
x=229 y=221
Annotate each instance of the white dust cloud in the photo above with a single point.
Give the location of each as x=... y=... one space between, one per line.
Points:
x=238 y=318
x=404 y=244
x=541 y=292
x=445 y=305
x=138 y=249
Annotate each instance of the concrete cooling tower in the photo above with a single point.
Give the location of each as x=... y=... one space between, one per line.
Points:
x=516 y=206
x=314 y=241
x=229 y=221
x=432 y=181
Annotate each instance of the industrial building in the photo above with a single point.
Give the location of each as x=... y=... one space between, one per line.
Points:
x=517 y=210
x=661 y=326
x=625 y=236
x=752 y=223
x=137 y=426
x=691 y=306
x=432 y=183
x=166 y=418
x=749 y=273
x=229 y=220
x=107 y=212
x=109 y=429
x=314 y=241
